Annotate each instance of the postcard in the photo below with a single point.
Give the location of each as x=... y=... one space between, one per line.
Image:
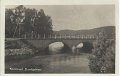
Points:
x=59 y=37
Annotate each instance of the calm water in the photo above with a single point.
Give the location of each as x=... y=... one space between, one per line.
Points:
x=60 y=63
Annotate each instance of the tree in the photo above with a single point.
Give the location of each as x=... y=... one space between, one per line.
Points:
x=9 y=26
x=43 y=24
x=102 y=59
x=26 y=21
x=15 y=18
x=29 y=21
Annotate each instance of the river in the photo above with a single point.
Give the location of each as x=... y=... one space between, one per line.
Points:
x=59 y=63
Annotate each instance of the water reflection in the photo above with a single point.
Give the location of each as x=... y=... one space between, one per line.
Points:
x=59 y=63
x=68 y=64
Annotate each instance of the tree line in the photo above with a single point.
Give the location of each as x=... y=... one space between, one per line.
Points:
x=26 y=22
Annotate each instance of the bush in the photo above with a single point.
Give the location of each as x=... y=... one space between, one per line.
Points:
x=18 y=49
x=12 y=44
x=102 y=59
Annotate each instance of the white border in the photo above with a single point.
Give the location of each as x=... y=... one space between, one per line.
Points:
x=53 y=2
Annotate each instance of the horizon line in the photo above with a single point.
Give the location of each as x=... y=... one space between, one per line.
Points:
x=85 y=29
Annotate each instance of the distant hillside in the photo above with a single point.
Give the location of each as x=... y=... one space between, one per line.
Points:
x=110 y=31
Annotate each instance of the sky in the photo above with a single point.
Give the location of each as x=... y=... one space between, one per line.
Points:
x=77 y=17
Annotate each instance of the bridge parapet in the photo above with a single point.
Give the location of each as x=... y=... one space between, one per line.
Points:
x=62 y=37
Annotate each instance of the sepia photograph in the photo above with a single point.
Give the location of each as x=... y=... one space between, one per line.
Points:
x=60 y=39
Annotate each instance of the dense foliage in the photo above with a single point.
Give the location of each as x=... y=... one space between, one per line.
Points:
x=102 y=59
x=16 y=49
x=26 y=22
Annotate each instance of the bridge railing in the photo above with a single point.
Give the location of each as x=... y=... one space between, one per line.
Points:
x=60 y=37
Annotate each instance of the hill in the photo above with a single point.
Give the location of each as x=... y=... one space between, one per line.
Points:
x=110 y=31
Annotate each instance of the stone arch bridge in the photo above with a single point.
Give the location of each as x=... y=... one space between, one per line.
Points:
x=43 y=43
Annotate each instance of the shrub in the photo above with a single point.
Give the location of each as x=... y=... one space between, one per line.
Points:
x=18 y=49
x=102 y=59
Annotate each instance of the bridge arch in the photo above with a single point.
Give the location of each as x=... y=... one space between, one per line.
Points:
x=43 y=44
